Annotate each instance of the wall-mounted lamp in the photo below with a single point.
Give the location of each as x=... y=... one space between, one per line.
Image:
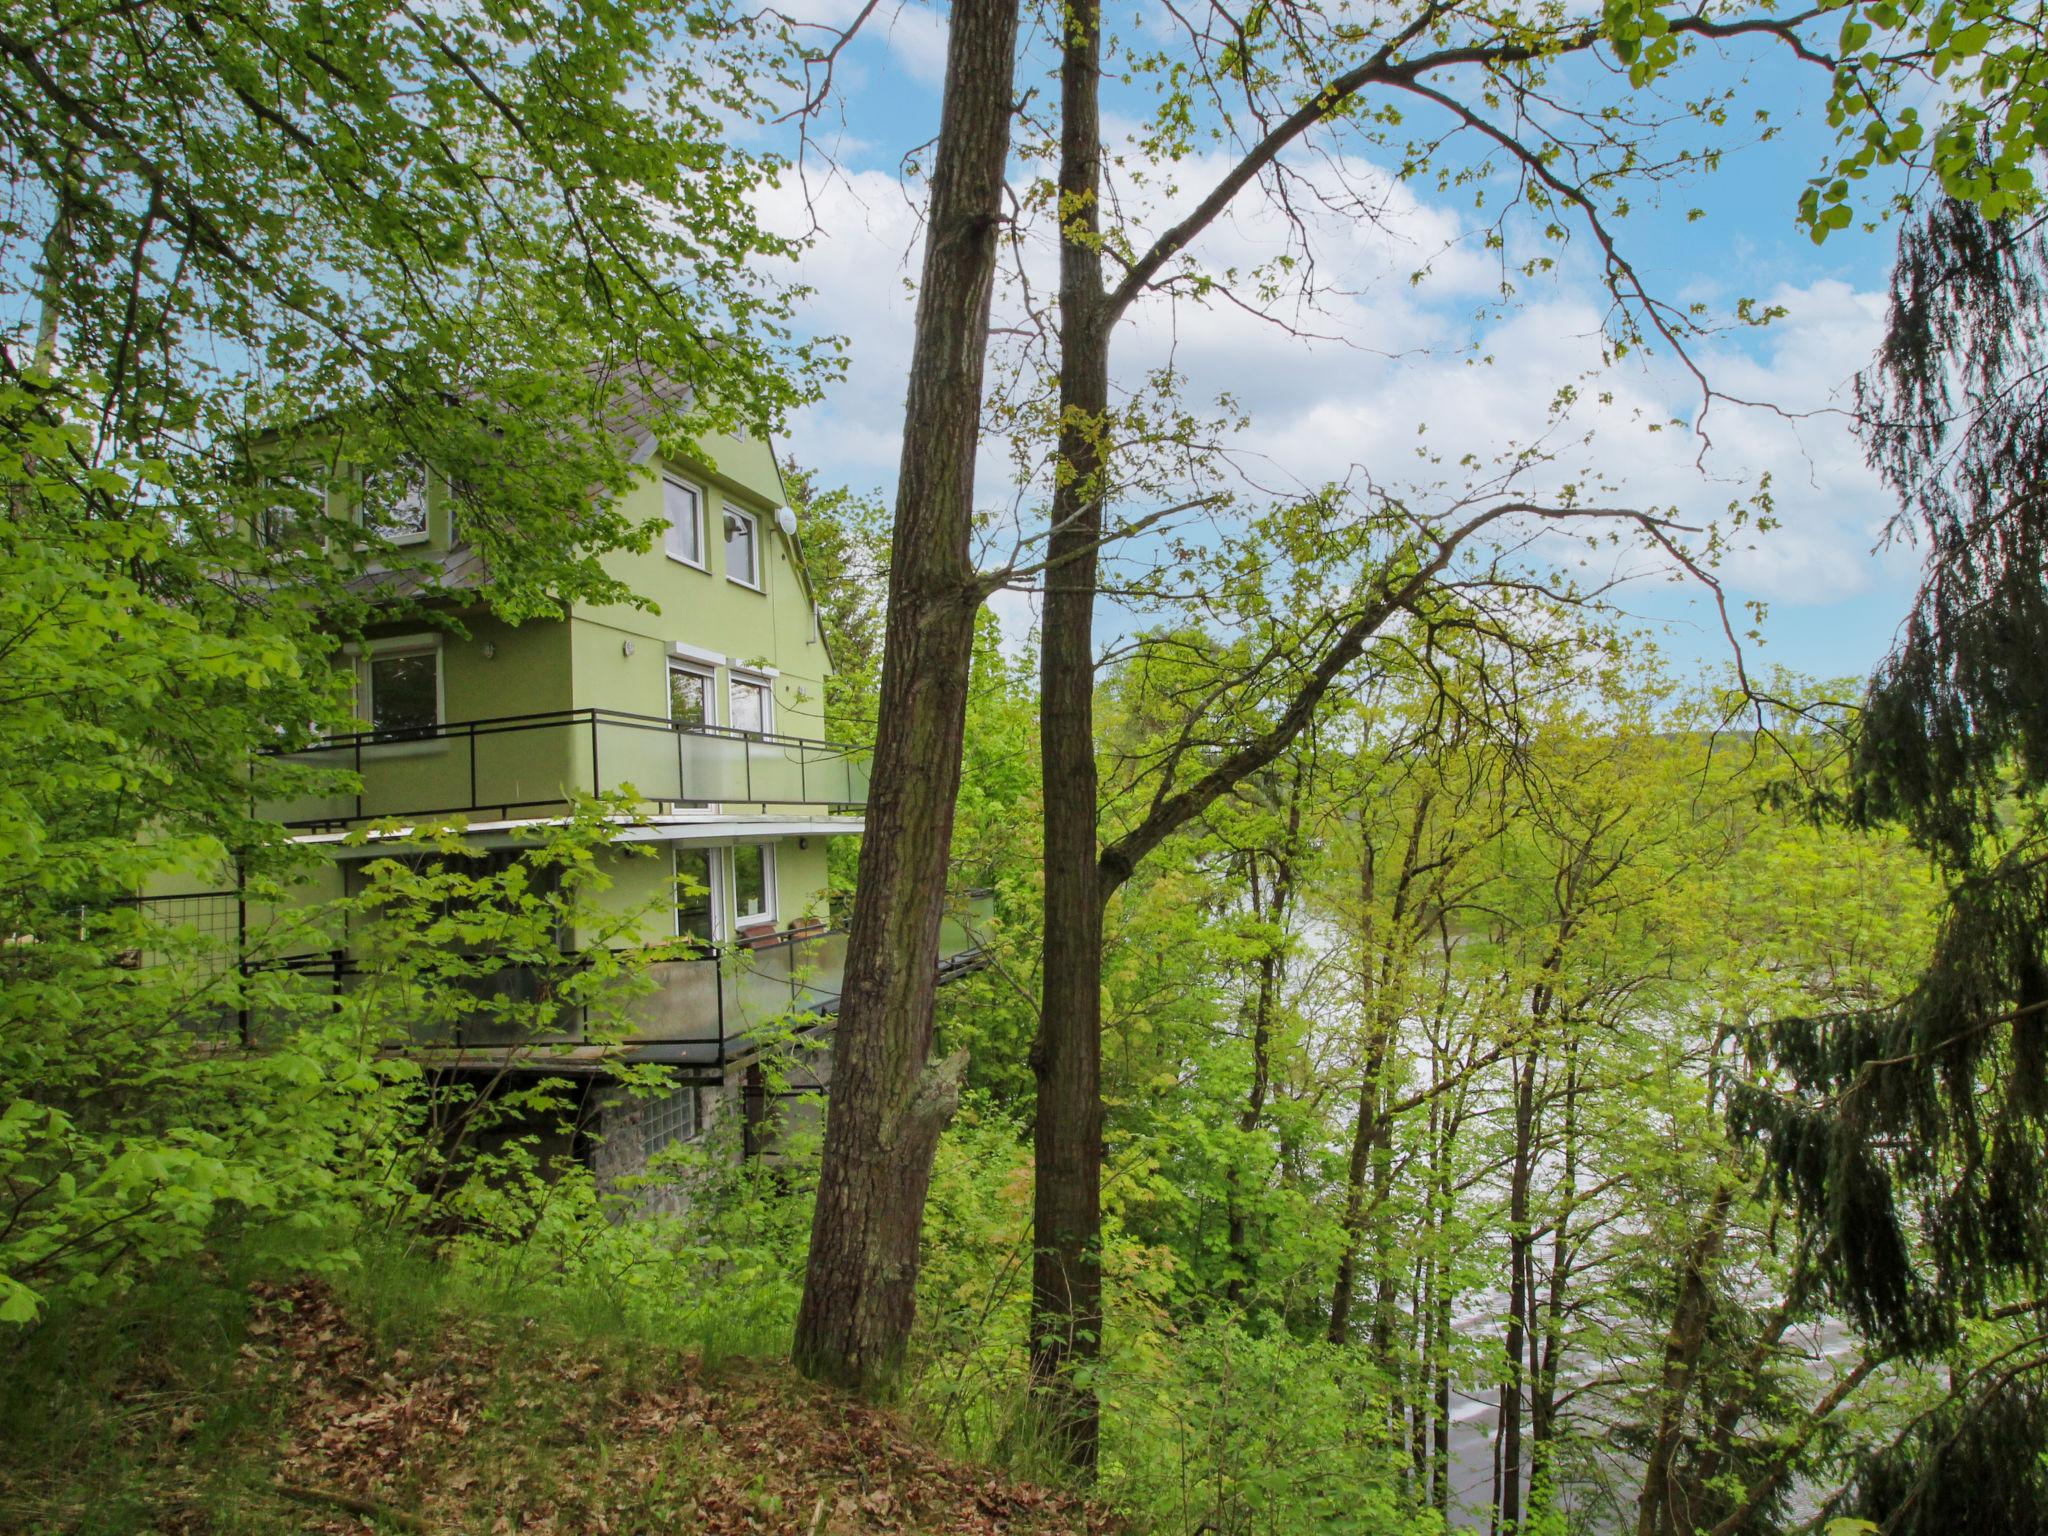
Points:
x=803 y=842
x=626 y=649
x=490 y=649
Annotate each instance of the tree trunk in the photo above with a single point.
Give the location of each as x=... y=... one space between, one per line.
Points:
x=1508 y=1478
x=1066 y=1274
x=1255 y=1097
x=888 y=1101
x=1545 y=1366
x=1377 y=974
x=1272 y=974
x=1682 y=1346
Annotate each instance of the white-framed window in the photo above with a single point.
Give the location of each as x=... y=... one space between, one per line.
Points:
x=669 y=1121
x=750 y=704
x=395 y=502
x=402 y=688
x=753 y=883
x=683 y=503
x=690 y=695
x=743 y=548
x=697 y=894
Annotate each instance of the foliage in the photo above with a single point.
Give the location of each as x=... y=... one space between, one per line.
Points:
x=1923 y=1116
x=1971 y=72
x=469 y=237
x=263 y=262
x=1253 y=1433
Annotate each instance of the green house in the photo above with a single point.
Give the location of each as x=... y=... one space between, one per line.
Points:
x=707 y=706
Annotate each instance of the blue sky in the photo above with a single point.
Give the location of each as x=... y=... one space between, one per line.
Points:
x=1400 y=357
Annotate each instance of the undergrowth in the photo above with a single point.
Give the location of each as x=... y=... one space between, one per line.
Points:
x=218 y=1400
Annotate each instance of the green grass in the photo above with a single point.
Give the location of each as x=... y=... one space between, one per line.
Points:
x=117 y=1420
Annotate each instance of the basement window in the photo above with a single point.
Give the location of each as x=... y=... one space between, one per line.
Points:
x=670 y=1122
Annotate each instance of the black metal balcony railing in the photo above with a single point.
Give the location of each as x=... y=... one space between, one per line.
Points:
x=514 y=763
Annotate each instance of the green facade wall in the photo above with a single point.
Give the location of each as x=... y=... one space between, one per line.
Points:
x=774 y=627
x=644 y=884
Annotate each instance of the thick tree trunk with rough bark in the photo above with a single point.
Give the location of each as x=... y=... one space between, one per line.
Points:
x=889 y=1101
x=1066 y=1273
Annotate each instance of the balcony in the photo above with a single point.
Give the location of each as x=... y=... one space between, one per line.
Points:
x=701 y=1017
x=529 y=765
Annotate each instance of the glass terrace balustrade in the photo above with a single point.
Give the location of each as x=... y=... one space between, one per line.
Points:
x=522 y=765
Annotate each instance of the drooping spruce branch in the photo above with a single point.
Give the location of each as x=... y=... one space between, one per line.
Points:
x=1915 y=1135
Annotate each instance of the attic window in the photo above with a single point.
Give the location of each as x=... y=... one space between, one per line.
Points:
x=684 y=505
x=742 y=549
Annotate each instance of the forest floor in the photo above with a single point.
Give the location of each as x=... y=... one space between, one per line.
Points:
x=227 y=1408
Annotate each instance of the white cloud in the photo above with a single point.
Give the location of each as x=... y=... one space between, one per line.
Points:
x=917 y=40
x=1347 y=385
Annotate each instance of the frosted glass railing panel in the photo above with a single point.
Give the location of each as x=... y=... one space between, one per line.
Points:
x=775 y=773
x=648 y=757
x=961 y=931
x=953 y=937
x=517 y=1006
x=818 y=971
x=684 y=1006
x=838 y=775
x=760 y=987
x=714 y=767
x=335 y=806
x=769 y=770
x=411 y=778
x=527 y=766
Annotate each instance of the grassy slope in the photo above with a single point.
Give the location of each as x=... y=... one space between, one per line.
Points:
x=215 y=1405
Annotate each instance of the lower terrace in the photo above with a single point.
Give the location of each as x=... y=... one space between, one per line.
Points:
x=702 y=1016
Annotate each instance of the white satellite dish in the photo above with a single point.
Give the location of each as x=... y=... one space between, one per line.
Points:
x=786 y=521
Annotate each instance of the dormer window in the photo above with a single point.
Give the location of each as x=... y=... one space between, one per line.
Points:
x=742 y=549
x=395 y=502
x=281 y=525
x=290 y=518
x=684 y=505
